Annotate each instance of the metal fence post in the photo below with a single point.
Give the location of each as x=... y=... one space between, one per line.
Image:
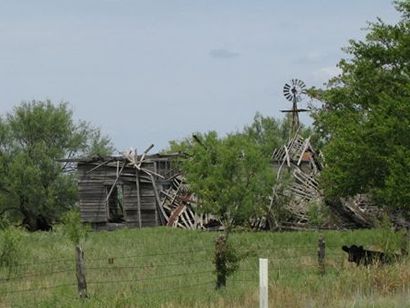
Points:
x=263 y=283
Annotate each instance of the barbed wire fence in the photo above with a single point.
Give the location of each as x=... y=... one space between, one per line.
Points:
x=189 y=270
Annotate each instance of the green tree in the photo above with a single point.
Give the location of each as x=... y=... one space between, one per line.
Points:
x=267 y=132
x=270 y=133
x=365 y=117
x=34 y=187
x=231 y=176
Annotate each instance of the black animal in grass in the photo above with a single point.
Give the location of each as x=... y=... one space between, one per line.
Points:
x=361 y=256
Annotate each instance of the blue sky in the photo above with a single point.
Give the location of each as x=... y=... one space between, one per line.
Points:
x=152 y=71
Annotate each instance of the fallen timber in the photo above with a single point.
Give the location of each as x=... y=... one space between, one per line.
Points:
x=299 y=159
x=142 y=190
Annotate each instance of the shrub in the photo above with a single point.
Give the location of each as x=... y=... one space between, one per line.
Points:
x=317 y=214
x=73 y=227
x=11 y=249
x=390 y=241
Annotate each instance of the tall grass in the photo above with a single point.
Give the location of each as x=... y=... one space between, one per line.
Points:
x=163 y=267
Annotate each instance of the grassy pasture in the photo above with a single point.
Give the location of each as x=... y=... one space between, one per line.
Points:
x=163 y=267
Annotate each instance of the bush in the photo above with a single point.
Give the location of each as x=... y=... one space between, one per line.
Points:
x=317 y=214
x=391 y=242
x=73 y=227
x=11 y=249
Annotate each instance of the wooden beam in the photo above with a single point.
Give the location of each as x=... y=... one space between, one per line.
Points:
x=99 y=165
x=138 y=166
x=164 y=215
x=137 y=182
x=306 y=145
x=287 y=156
x=115 y=183
x=151 y=173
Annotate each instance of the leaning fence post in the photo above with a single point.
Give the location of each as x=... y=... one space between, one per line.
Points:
x=263 y=283
x=80 y=272
x=321 y=254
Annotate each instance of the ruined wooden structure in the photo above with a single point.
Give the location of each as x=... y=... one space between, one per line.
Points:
x=134 y=190
x=124 y=190
x=299 y=158
x=297 y=165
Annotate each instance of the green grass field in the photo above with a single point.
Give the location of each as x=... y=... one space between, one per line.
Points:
x=165 y=267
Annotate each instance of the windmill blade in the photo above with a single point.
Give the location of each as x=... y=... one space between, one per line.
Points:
x=294 y=89
x=300 y=83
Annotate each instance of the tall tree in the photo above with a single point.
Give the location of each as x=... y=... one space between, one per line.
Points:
x=35 y=136
x=365 y=116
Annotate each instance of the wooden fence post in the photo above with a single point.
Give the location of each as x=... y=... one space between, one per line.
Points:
x=80 y=272
x=220 y=261
x=263 y=283
x=321 y=254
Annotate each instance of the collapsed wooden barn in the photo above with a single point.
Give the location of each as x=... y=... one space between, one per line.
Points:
x=298 y=167
x=124 y=190
x=136 y=191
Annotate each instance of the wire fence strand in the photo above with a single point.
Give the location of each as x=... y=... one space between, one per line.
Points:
x=179 y=252
x=151 y=278
x=39 y=288
x=148 y=265
x=43 y=274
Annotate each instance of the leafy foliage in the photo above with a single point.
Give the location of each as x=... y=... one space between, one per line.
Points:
x=73 y=228
x=317 y=213
x=365 y=117
x=11 y=252
x=32 y=140
x=231 y=176
x=267 y=132
x=270 y=133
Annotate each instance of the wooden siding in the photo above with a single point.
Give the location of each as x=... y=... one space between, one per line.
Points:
x=140 y=206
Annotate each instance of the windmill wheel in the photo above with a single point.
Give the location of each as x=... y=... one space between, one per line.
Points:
x=294 y=89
